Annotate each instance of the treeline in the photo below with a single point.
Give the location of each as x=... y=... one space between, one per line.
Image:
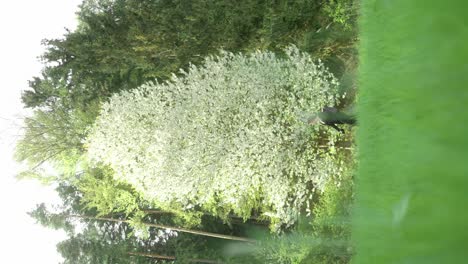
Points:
x=121 y=44
x=118 y=46
x=114 y=238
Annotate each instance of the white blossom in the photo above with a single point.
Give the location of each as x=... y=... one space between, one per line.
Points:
x=229 y=134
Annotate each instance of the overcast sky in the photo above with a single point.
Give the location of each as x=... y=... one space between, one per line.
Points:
x=23 y=24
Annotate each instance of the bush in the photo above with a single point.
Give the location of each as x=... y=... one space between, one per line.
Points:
x=229 y=136
x=324 y=238
x=340 y=11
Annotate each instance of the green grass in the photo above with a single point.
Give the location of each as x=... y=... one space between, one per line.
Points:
x=412 y=184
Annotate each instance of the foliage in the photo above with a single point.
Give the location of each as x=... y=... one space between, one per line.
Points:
x=49 y=133
x=331 y=220
x=53 y=137
x=102 y=192
x=96 y=241
x=121 y=44
x=340 y=11
x=230 y=134
x=322 y=238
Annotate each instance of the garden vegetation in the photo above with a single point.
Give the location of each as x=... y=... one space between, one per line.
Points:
x=195 y=115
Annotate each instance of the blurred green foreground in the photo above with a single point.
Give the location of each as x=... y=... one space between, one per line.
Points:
x=412 y=184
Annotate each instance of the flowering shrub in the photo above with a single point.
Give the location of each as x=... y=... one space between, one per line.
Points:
x=230 y=135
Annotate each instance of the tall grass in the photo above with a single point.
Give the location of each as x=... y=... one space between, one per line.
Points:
x=413 y=177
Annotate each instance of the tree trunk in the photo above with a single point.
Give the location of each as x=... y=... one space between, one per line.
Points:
x=148 y=255
x=155 y=256
x=179 y=229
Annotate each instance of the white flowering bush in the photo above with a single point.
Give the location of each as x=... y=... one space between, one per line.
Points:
x=229 y=135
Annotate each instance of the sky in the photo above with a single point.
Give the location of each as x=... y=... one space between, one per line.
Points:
x=23 y=24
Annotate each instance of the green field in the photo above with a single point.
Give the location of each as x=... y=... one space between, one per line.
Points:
x=412 y=177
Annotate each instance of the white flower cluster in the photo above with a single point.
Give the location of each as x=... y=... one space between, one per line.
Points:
x=230 y=133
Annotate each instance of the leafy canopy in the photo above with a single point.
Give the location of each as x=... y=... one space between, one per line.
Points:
x=228 y=136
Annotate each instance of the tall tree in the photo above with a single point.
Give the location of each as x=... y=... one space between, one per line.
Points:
x=228 y=136
x=101 y=240
x=121 y=44
x=115 y=230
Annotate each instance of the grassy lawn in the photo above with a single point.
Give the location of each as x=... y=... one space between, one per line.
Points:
x=412 y=138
